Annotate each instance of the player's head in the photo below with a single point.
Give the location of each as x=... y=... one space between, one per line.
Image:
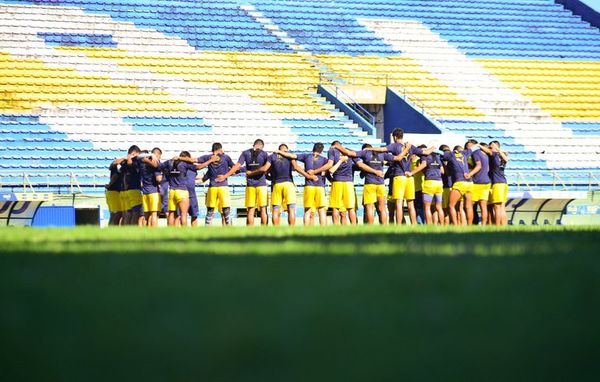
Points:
x=336 y=143
x=422 y=146
x=157 y=152
x=366 y=146
x=318 y=148
x=470 y=143
x=495 y=145
x=185 y=154
x=258 y=144
x=283 y=147
x=458 y=148
x=134 y=149
x=217 y=148
x=483 y=144
x=444 y=148
x=397 y=134
x=144 y=152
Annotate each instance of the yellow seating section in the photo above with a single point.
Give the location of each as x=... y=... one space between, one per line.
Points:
x=28 y=84
x=568 y=90
x=281 y=82
x=406 y=76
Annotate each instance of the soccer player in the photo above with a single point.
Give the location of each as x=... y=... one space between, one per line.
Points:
x=283 y=194
x=132 y=187
x=256 y=181
x=194 y=208
x=179 y=196
x=113 y=189
x=403 y=187
x=433 y=187
x=314 y=188
x=415 y=161
x=343 y=197
x=499 y=192
x=371 y=163
x=151 y=178
x=462 y=187
x=481 y=181
x=447 y=183
x=218 y=196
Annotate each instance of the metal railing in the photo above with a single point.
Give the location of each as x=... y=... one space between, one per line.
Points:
x=358 y=108
x=354 y=78
x=72 y=183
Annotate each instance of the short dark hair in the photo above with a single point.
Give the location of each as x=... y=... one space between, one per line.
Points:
x=458 y=148
x=496 y=142
x=483 y=144
x=133 y=149
x=156 y=148
x=185 y=154
x=258 y=141
x=216 y=146
x=335 y=143
x=366 y=145
x=318 y=147
x=471 y=141
x=444 y=148
x=398 y=133
x=422 y=146
x=283 y=145
x=144 y=152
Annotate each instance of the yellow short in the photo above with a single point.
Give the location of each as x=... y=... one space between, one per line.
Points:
x=342 y=196
x=481 y=192
x=403 y=188
x=256 y=196
x=314 y=197
x=151 y=202
x=218 y=197
x=446 y=197
x=433 y=187
x=283 y=194
x=175 y=197
x=372 y=192
x=131 y=199
x=499 y=193
x=113 y=201
x=463 y=187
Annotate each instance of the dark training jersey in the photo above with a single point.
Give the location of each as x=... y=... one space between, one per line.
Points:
x=149 y=174
x=312 y=162
x=281 y=169
x=457 y=164
x=402 y=167
x=497 y=169
x=254 y=159
x=132 y=177
x=482 y=176
x=344 y=173
x=376 y=162
x=116 y=178
x=177 y=174
x=215 y=169
x=433 y=170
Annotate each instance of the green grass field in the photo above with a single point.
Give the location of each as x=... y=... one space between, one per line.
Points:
x=300 y=304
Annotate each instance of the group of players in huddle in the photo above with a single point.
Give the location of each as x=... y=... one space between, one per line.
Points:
x=440 y=186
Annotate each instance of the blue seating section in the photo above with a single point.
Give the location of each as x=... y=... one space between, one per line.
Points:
x=536 y=29
x=167 y=124
x=583 y=128
x=206 y=25
x=323 y=28
x=79 y=39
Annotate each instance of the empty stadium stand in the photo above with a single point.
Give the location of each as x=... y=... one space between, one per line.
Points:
x=81 y=80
